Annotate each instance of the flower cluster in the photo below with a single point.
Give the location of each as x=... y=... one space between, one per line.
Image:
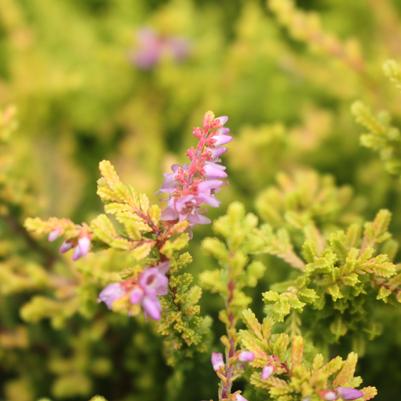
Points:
x=144 y=291
x=81 y=245
x=152 y=46
x=192 y=185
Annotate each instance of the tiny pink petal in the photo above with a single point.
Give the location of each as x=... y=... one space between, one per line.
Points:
x=267 y=372
x=209 y=185
x=217 y=360
x=246 y=356
x=111 y=293
x=221 y=120
x=136 y=295
x=66 y=246
x=349 y=393
x=219 y=140
x=152 y=307
x=211 y=171
x=153 y=282
x=53 y=235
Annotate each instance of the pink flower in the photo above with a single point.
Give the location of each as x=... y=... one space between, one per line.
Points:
x=152 y=283
x=82 y=248
x=239 y=397
x=217 y=361
x=149 y=50
x=349 y=393
x=53 y=235
x=111 y=293
x=193 y=185
x=267 y=372
x=246 y=356
x=152 y=308
x=66 y=246
x=151 y=47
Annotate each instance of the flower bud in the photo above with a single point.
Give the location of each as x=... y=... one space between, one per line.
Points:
x=53 y=235
x=217 y=361
x=267 y=372
x=246 y=356
x=349 y=393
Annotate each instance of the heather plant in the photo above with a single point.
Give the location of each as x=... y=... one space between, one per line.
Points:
x=256 y=259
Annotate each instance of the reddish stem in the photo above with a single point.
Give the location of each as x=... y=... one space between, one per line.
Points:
x=226 y=384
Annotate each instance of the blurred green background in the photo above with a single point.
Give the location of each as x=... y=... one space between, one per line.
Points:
x=67 y=65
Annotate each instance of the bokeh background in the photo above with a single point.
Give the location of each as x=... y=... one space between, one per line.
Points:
x=71 y=69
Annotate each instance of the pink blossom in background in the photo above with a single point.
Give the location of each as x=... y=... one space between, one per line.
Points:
x=152 y=46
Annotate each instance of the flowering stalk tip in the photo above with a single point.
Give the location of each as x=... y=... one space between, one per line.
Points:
x=195 y=184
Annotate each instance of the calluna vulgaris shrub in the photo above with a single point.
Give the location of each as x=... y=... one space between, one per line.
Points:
x=263 y=264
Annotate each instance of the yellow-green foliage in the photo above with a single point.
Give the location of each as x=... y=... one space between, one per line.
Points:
x=307 y=233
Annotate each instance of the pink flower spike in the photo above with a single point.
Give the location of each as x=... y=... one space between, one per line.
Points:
x=246 y=356
x=53 y=235
x=267 y=372
x=217 y=361
x=328 y=395
x=152 y=307
x=66 y=246
x=111 y=293
x=349 y=393
x=194 y=184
